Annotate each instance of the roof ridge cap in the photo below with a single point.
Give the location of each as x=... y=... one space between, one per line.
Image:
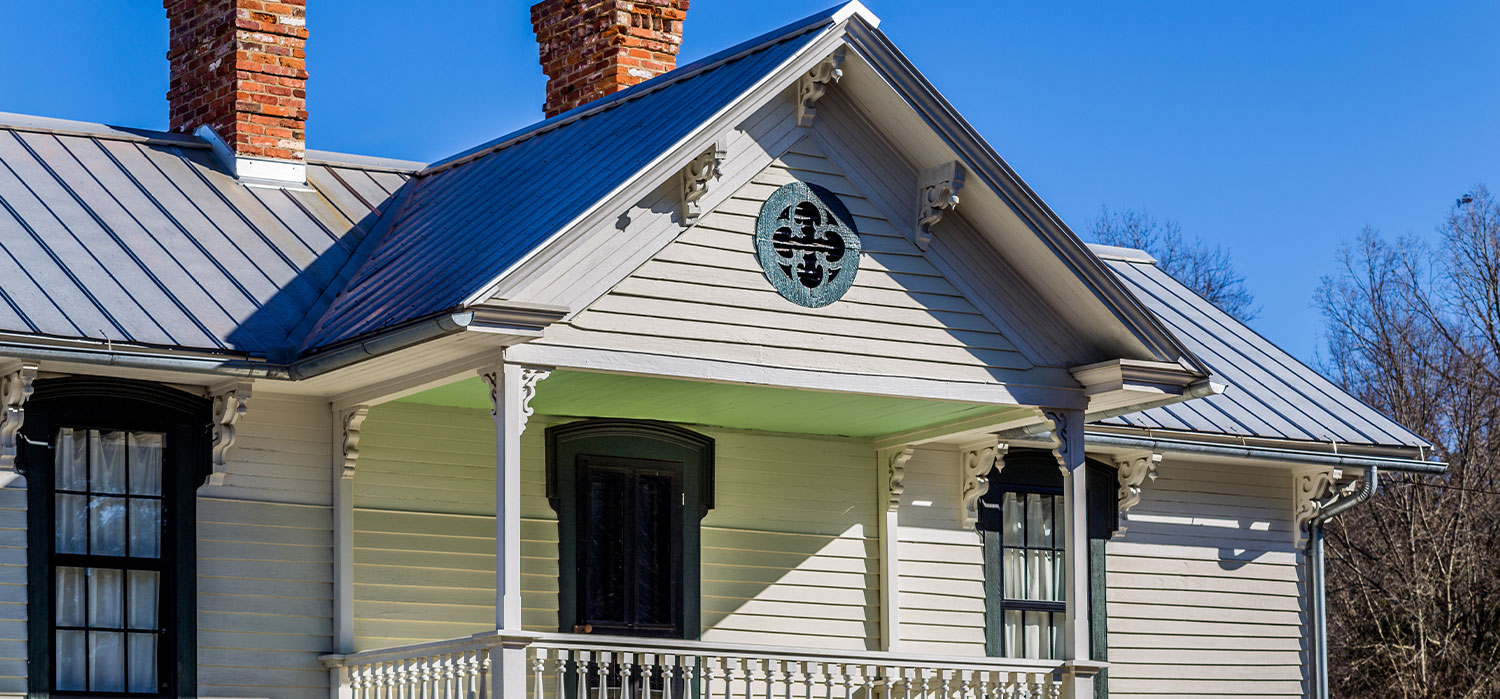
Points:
x=740 y=50
x=39 y=124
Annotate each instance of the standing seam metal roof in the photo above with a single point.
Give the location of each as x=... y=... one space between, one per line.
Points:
x=142 y=237
x=1271 y=394
x=473 y=216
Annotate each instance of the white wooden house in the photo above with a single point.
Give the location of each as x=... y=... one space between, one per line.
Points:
x=764 y=377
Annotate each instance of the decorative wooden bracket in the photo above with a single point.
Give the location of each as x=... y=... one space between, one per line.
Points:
x=1067 y=438
x=895 y=474
x=812 y=87
x=354 y=421
x=976 y=461
x=1132 y=471
x=530 y=376
x=937 y=191
x=695 y=178
x=15 y=388
x=1309 y=488
x=231 y=401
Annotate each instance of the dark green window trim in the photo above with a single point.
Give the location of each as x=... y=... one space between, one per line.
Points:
x=570 y=448
x=117 y=405
x=1035 y=471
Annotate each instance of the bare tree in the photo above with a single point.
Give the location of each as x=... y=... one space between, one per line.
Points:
x=1206 y=269
x=1414 y=576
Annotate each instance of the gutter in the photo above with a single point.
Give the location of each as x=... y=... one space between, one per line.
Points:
x=1349 y=461
x=1317 y=578
x=510 y=318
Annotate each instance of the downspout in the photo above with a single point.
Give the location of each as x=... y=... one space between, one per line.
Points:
x=1367 y=489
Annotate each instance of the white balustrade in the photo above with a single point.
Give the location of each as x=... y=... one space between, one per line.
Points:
x=569 y=666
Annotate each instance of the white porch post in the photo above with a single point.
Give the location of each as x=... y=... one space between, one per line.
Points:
x=346 y=432
x=1068 y=446
x=889 y=472
x=511 y=389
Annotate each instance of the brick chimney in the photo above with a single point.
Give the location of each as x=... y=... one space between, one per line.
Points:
x=594 y=48
x=239 y=69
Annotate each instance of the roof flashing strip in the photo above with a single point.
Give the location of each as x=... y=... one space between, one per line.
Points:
x=256 y=172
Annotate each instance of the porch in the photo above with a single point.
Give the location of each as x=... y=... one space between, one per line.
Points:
x=795 y=585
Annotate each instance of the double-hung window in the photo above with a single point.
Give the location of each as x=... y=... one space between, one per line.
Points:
x=112 y=468
x=1022 y=525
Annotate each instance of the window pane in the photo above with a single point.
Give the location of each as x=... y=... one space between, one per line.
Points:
x=142 y=654
x=1038 y=520
x=106 y=661
x=1060 y=527
x=145 y=527
x=71 y=534
x=1057 y=635
x=143 y=596
x=70 y=591
x=1013 y=636
x=1040 y=583
x=1035 y=631
x=71 y=646
x=145 y=463
x=1058 y=579
x=1013 y=571
x=106 y=598
x=107 y=461
x=72 y=459
x=654 y=569
x=606 y=564
x=1012 y=506
x=107 y=526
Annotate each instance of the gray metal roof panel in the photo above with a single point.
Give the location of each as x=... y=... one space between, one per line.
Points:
x=139 y=236
x=1271 y=394
x=471 y=217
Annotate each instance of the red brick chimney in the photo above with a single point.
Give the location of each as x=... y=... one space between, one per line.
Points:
x=239 y=68
x=594 y=48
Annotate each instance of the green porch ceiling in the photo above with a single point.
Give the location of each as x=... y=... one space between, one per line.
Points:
x=585 y=394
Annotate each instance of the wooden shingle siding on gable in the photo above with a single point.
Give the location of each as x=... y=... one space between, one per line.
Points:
x=1204 y=591
x=779 y=565
x=704 y=296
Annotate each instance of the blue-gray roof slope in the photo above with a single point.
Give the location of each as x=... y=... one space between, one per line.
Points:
x=134 y=236
x=472 y=216
x=1270 y=395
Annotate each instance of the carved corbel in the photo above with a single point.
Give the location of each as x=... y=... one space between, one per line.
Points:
x=15 y=388
x=1067 y=438
x=812 y=86
x=1309 y=488
x=530 y=376
x=695 y=178
x=976 y=461
x=231 y=401
x=1132 y=471
x=354 y=422
x=937 y=192
x=895 y=475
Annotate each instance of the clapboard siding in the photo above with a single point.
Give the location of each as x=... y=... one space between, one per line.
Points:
x=12 y=584
x=265 y=598
x=940 y=581
x=704 y=295
x=424 y=527
x=1204 y=591
x=779 y=564
x=281 y=453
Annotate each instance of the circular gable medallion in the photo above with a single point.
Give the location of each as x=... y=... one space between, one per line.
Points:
x=806 y=244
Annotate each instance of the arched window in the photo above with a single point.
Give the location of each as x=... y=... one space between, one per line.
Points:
x=1021 y=521
x=112 y=468
x=629 y=497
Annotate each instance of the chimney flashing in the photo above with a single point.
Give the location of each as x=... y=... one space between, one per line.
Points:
x=252 y=171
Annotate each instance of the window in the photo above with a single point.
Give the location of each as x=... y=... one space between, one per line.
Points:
x=111 y=470
x=107 y=561
x=1022 y=524
x=629 y=497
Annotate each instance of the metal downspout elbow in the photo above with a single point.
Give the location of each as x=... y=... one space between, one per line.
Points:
x=1367 y=489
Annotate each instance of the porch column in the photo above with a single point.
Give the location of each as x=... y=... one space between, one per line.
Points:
x=1067 y=434
x=511 y=389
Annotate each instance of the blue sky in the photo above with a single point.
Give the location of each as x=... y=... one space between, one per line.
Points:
x=1276 y=128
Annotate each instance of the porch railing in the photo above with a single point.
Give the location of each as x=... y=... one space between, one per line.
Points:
x=572 y=666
